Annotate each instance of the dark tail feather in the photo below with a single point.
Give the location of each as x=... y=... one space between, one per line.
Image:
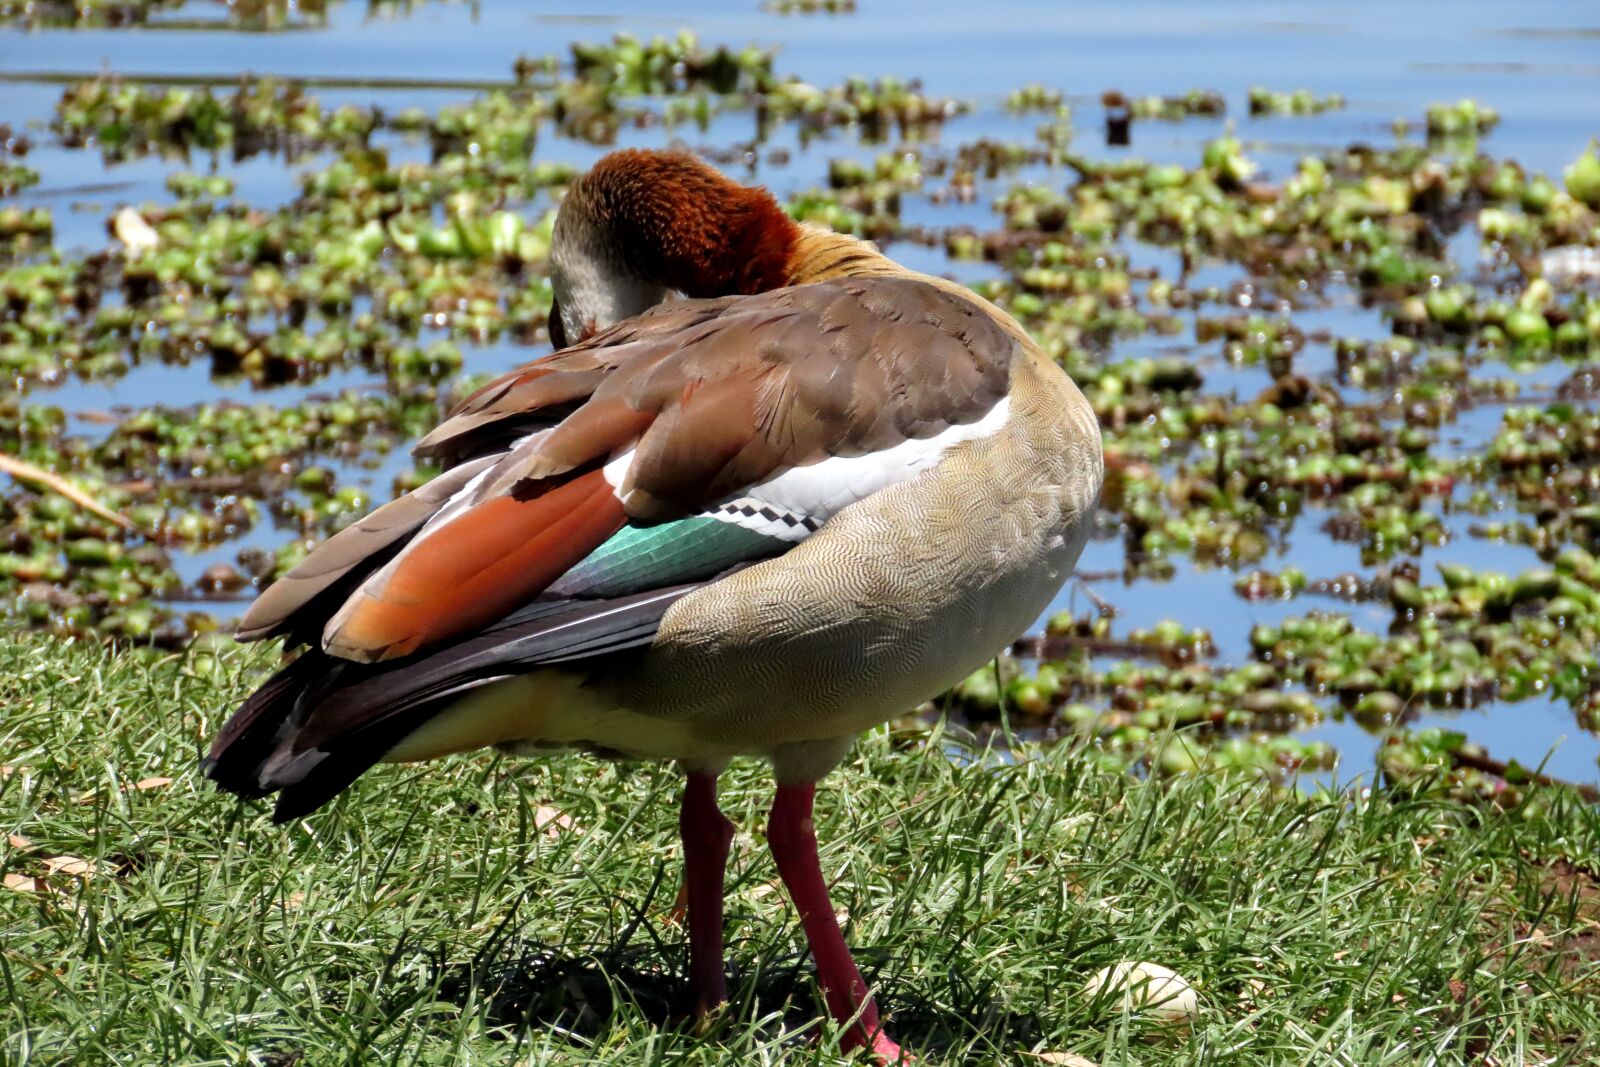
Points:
x=260 y=752
x=251 y=734
x=307 y=778
x=319 y=723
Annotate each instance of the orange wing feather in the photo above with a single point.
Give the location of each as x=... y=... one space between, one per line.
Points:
x=476 y=568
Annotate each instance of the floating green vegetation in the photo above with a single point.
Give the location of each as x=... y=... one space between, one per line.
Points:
x=1583 y=177
x=1035 y=97
x=660 y=66
x=1129 y=710
x=1265 y=101
x=1226 y=481
x=1205 y=103
x=1462 y=117
x=24 y=229
x=15 y=176
x=810 y=7
x=185 y=479
x=107 y=13
x=120 y=14
x=1473 y=638
x=604 y=90
x=878 y=108
x=262 y=115
x=1461 y=123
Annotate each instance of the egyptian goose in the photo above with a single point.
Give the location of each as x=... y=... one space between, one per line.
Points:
x=755 y=522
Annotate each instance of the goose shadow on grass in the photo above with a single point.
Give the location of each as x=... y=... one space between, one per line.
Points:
x=521 y=984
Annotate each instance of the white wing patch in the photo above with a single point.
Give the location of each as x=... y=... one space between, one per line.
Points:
x=794 y=504
x=615 y=472
x=819 y=491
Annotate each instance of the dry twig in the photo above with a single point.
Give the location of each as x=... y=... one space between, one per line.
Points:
x=38 y=476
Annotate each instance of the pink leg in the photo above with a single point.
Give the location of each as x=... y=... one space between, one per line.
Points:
x=793 y=838
x=706 y=834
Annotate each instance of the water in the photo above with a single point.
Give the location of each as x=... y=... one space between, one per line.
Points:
x=1538 y=63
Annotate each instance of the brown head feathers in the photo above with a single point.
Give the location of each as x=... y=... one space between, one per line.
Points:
x=678 y=222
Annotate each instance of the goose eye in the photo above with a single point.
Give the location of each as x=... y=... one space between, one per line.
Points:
x=558 y=333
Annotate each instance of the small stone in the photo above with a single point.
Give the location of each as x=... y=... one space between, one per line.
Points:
x=1147 y=988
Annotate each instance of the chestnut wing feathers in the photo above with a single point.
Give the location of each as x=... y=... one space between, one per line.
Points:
x=715 y=395
x=684 y=408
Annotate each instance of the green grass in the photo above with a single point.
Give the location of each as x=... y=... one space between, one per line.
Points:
x=423 y=919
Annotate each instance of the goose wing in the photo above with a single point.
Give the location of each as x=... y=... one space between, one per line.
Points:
x=693 y=438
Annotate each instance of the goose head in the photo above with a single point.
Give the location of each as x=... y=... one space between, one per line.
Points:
x=642 y=224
